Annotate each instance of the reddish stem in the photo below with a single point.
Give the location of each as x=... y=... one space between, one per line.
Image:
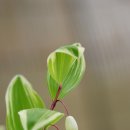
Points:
x=67 y=112
x=56 y=98
x=55 y=101
x=55 y=127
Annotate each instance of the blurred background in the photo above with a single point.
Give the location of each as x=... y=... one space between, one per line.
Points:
x=31 y=29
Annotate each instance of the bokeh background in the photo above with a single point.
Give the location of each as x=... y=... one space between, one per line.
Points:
x=31 y=29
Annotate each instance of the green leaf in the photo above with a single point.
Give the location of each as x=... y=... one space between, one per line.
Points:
x=36 y=118
x=70 y=123
x=73 y=73
x=59 y=63
x=20 y=95
x=52 y=86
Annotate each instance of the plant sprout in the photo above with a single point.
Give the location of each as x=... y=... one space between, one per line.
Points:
x=26 y=110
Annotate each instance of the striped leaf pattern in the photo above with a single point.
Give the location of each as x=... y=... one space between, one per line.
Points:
x=73 y=70
x=36 y=118
x=20 y=95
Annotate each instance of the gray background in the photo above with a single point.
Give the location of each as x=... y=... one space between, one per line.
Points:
x=31 y=29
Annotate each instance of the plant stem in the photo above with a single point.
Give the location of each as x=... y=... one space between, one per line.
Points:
x=55 y=127
x=67 y=112
x=56 y=98
x=55 y=102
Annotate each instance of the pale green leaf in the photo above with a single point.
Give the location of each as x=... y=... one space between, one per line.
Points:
x=73 y=75
x=52 y=86
x=70 y=123
x=20 y=95
x=35 y=119
x=59 y=63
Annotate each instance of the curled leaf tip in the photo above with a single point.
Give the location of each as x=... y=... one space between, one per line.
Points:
x=66 y=65
x=77 y=44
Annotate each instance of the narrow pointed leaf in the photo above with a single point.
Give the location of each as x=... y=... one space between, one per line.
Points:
x=20 y=95
x=73 y=75
x=35 y=119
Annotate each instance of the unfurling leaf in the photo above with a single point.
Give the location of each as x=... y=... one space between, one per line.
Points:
x=36 y=118
x=70 y=123
x=66 y=67
x=20 y=95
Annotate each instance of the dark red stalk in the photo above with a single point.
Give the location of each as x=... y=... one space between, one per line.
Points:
x=55 y=101
x=56 y=98
x=67 y=113
x=55 y=127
